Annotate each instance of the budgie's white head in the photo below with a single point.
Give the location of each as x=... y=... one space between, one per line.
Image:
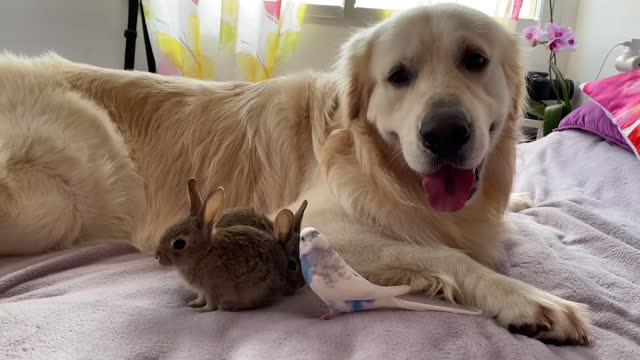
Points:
x=310 y=239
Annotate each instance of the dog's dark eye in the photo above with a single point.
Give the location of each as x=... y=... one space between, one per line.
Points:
x=400 y=76
x=292 y=265
x=474 y=61
x=178 y=244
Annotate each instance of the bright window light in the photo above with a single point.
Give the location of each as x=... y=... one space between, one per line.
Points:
x=490 y=7
x=326 y=2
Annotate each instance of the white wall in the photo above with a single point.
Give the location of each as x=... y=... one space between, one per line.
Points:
x=600 y=25
x=92 y=31
x=318 y=46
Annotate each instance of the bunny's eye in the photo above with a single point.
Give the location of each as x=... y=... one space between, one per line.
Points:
x=178 y=244
x=292 y=265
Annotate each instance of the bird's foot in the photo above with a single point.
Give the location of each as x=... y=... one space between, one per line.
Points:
x=328 y=316
x=200 y=301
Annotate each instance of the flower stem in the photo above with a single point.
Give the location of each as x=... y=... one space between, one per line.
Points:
x=551 y=76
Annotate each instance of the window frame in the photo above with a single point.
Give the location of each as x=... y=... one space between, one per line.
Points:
x=349 y=15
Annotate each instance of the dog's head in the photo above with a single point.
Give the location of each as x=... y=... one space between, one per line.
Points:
x=439 y=84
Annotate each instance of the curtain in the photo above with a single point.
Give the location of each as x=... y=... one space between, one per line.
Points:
x=222 y=39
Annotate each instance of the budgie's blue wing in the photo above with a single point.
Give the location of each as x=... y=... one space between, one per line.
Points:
x=305 y=266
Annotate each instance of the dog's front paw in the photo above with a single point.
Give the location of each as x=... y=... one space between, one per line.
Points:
x=547 y=318
x=520 y=201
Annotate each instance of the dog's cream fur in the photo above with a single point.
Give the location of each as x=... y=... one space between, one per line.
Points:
x=345 y=140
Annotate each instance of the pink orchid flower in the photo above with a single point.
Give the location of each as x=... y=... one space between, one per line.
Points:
x=560 y=37
x=572 y=44
x=557 y=31
x=557 y=44
x=533 y=34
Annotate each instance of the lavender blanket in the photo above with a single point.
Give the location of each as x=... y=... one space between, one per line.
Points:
x=581 y=242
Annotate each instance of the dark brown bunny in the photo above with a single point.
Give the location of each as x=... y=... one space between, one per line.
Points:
x=240 y=264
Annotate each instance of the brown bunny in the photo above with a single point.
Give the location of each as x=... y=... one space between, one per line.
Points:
x=239 y=265
x=287 y=232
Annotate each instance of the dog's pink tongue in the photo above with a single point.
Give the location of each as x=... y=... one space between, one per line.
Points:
x=448 y=188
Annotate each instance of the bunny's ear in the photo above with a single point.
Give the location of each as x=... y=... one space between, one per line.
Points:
x=212 y=210
x=297 y=218
x=195 y=199
x=282 y=224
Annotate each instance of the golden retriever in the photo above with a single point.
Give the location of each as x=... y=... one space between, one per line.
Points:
x=405 y=152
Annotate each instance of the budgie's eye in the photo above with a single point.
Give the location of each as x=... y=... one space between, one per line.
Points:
x=178 y=244
x=292 y=265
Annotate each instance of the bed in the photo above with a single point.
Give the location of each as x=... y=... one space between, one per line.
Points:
x=581 y=241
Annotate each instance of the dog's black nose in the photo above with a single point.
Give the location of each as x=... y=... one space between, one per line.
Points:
x=444 y=132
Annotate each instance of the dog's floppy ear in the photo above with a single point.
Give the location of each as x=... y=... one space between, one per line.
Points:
x=501 y=162
x=353 y=65
x=515 y=72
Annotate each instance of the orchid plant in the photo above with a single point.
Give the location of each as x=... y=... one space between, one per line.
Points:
x=554 y=38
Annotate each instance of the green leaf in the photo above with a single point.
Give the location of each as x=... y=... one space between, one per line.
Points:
x=563 y=86
x=536 y=108
x=552 y=116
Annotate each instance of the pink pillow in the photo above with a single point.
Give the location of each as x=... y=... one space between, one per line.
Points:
x=619 y=96
x=591 y=118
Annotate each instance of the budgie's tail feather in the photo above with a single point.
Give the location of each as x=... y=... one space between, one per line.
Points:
x=393 y=302
x=395 y=290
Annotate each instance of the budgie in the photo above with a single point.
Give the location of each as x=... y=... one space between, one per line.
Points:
x=342 y=289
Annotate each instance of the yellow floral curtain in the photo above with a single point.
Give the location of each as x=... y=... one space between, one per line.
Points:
x=222 y=39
